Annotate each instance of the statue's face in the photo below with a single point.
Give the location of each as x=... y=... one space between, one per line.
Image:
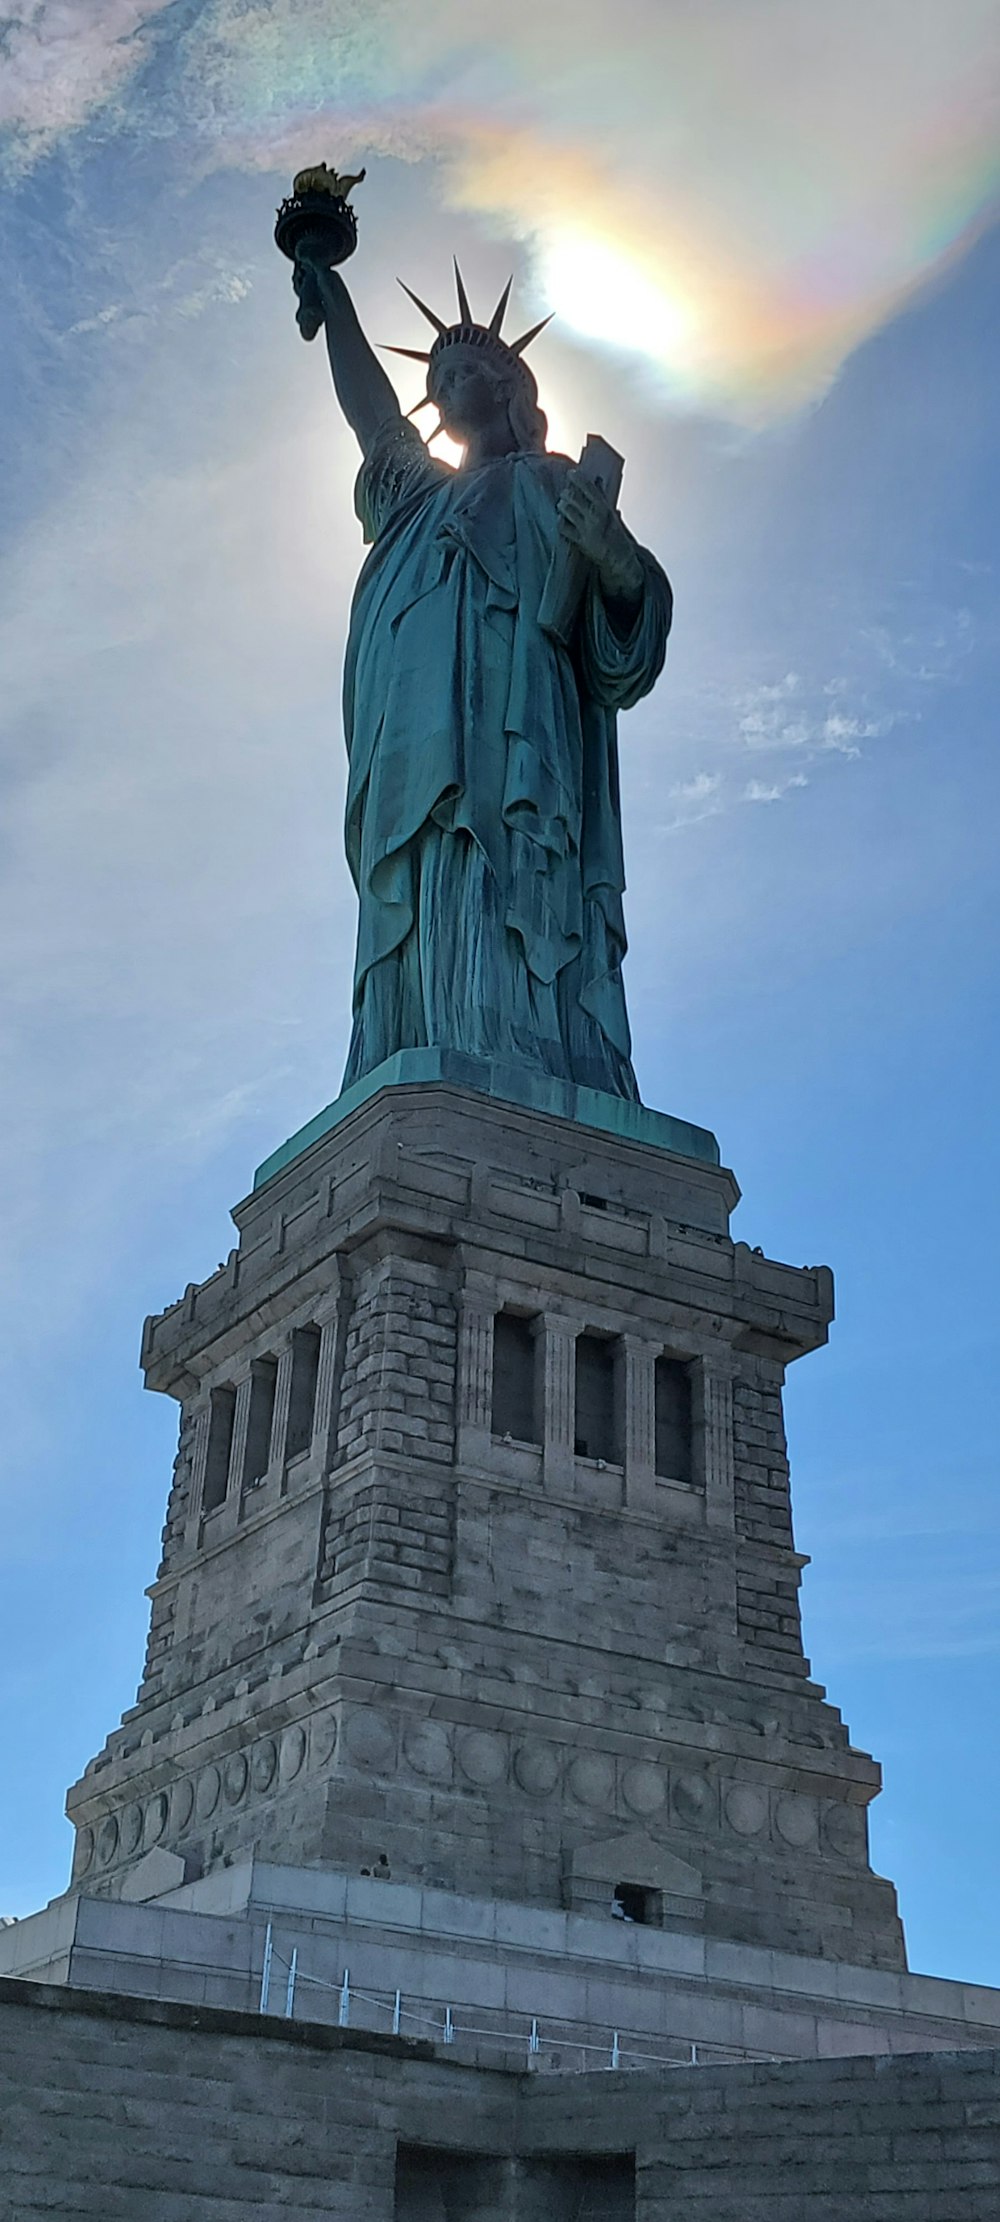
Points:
x=469 y=396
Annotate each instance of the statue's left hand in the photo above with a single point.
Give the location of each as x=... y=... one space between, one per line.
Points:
x=589 y=519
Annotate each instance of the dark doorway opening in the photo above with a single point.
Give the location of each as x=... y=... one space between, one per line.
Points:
x=438 y=2186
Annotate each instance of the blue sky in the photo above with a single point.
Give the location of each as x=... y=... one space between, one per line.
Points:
x=795 y=349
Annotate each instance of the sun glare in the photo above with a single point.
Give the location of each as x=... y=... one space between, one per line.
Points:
x=446 y=449
x=607 y=296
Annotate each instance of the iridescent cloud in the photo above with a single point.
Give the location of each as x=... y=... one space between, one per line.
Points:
x=737 y=195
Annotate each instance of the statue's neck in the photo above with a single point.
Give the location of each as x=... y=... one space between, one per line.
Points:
x=489 y=446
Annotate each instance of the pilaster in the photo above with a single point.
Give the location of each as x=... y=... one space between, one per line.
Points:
x=282 y=1394
x=559 y=1400
x=639 y=1387
x=475 y=1377
x=327 y=1317
x=714 y=1426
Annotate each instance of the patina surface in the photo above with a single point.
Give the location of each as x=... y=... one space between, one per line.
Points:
x=483 y=814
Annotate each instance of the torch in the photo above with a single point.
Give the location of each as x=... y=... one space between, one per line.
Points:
x=318 y=212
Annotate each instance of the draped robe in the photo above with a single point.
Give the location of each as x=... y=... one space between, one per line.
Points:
x=483 y=824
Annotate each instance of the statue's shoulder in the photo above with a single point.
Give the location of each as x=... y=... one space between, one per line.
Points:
x=398 y=470
x=546 y=470
x=550 y=461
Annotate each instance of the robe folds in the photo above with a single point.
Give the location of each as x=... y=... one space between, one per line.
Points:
x=483 y=823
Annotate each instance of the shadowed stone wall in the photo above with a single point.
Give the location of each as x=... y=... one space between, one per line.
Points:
x=122 y=2110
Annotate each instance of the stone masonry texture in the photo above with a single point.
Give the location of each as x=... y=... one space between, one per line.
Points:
x=476 y=1663
x=124 y=2110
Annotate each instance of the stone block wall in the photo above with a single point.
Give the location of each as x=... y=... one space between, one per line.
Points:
x=510 y=1665
x=123 y=2110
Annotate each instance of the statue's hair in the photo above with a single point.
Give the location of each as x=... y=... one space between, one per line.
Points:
x=528 y=420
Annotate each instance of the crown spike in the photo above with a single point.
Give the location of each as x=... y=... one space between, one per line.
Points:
x=463 y=299
x=496 y=320
x=426 y=400
x=517 y=346
x=413 y=354
x=424 y=310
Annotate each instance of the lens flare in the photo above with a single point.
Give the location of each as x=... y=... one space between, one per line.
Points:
x=736 y=195
x=600 y=291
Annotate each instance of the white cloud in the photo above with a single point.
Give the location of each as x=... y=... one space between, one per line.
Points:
x=62 y=60
x=764 y=722
x=183 y=291
x=699 y=788
x=757 y=791
x=736 y=197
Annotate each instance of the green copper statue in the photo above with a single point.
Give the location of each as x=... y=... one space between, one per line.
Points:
x=483 y=816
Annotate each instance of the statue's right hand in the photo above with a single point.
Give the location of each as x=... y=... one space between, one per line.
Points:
x=309 y=315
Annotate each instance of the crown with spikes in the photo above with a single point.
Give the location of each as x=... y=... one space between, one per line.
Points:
x=467 y=333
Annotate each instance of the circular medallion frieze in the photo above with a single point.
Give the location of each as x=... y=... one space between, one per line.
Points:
x=83 y=1851
x=691 y=1797
x=234 y=1779
x=323 y=1738
x=643 y=1788
x=130 y=1829
x=292 y=1753
x=107 y=1840
x=427 y=1748
x=746 y=1810
x=208 y=1792
x=482 y=1758
x=592 y=1780
x=844 y=1830
x=369 y=1739
x=536 y=1766
x=181 y=1804
x=155 y=1819
x=263 y=1764
x=795 y=1820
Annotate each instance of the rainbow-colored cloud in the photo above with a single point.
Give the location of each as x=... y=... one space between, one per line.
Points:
x=737 y=194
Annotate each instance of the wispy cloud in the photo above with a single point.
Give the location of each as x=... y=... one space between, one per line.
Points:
x=183 y=291
x=788 y=714
x=788 y=727
x=735 y=196
x=758 y=790
x=62 y=61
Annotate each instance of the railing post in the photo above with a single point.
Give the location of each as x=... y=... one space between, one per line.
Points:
x=345 y=2001
x=265 y=1973
x=290 y=1989
x=615 y=2051
x=396 y=2013
x=533 y=2044
x=449 y=2027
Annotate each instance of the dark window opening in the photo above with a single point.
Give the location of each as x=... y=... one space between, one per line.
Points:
x=634 y=1902
x=302 y=1393
x=514 y=1366
x=593 y=1203
x=596 y=1430
x=260 y=1419
x=221 y=1418
x=673 y=1419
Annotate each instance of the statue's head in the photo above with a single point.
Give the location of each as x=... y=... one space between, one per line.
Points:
x=475 y=377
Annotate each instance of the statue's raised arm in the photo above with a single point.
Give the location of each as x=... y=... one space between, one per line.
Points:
x=365 y=393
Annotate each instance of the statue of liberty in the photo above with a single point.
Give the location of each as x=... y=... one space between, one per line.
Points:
x=483 y=818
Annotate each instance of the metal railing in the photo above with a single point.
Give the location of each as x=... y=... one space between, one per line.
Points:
x=522 y=2033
